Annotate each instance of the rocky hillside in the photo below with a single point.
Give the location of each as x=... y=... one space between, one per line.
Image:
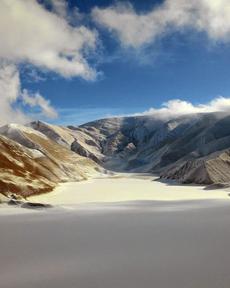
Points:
x=190 y=149
x=33 y=163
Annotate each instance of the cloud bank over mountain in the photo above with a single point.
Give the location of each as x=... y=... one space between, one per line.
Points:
x=177 y=107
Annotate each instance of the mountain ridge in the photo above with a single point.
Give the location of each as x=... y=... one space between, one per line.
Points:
x=190 y=149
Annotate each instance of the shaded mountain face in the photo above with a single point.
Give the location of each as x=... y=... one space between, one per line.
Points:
x=190 y=149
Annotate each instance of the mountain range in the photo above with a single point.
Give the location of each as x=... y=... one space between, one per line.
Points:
x=189 y=149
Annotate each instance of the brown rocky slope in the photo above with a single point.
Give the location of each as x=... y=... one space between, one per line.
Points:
x=31 y=163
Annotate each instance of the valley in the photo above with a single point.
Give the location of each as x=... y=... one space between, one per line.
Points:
x=192 y=149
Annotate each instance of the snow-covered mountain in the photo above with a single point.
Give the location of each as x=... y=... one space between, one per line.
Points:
x=191 y=149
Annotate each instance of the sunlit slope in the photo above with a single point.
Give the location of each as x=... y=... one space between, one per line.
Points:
x=45 y=161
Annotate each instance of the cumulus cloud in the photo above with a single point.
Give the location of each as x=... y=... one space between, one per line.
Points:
x=177 y=107
x=59 y=7
x=10 y=94
x=9 y=91
x=137 y=29
x=37 y=100
x=45 y=39
x=30 y=33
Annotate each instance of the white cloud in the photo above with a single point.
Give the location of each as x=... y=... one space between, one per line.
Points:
x=59 y=7
x=137 y=29
x=10 y=93
x=30 y=33
x=177 y=107
x=36 y=100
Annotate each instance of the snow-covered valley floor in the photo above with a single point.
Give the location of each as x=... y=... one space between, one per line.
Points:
x=126 y=232
x=126 y=187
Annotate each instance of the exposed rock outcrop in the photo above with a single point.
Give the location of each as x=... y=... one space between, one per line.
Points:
x=209 y=170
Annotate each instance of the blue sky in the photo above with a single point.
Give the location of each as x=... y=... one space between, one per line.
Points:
x=186 y=62
x=185 y=68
